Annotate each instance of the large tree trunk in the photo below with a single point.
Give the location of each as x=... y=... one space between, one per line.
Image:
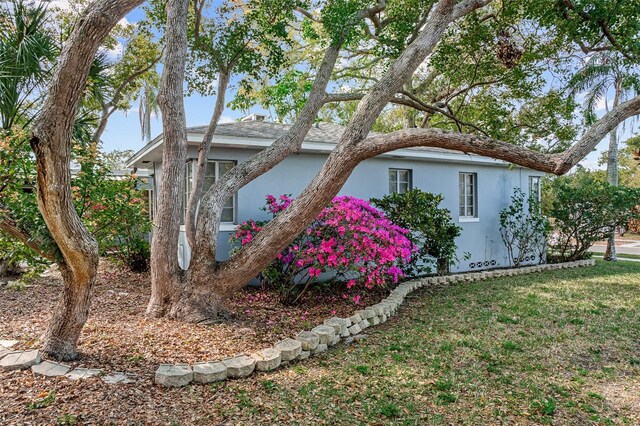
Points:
x=51 y=144
x=612 y=173
x=210 y=283
x=60 y=340
x=197 y=302
x=165 y=271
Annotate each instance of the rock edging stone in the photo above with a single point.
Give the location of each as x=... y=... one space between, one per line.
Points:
x=317 y=340
x=305 y=344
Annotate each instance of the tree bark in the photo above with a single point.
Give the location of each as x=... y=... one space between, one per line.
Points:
x=612 y=172
x=51 y=144
x=166 y=275
x=203 y=156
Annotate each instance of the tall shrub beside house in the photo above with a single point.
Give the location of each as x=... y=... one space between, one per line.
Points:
x=431 y=228
x=523 y=229
x=113 y=210
x=583 y=210
x=350 y=239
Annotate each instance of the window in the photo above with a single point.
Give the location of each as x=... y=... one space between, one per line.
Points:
x=214 y=170
x=535 y=189
x=152 y=203
x=400 y=180
x=468 y=195
x=188 y=184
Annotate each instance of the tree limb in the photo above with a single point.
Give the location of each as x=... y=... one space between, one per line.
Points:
x=558 y=164
x=110 y=107
x=10 y=227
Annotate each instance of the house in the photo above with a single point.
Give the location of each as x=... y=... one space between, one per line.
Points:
x=475 y=188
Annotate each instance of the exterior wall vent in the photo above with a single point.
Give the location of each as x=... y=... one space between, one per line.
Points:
x=255 y=117
x=482 y=264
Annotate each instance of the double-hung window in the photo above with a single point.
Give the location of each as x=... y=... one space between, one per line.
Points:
x=215 y=169
x=468 y=184
x=535 y=189
x=400 y=180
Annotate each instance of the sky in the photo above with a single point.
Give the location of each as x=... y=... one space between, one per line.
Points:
x=123 y=129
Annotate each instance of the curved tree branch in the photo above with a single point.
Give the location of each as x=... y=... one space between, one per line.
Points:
x=10 y=227
x=471 y=144
x=51 y=144
x=283 y=228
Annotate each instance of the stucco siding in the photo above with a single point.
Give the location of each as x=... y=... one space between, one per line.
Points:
x=481 y=238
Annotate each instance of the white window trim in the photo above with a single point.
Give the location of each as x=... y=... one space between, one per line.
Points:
x=539 y=192
x=476 y=217
x=463 y=219
x=409 y=183
x=224 y=226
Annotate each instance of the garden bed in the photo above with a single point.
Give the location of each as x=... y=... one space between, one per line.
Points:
x=118 y=336
x=556 y=347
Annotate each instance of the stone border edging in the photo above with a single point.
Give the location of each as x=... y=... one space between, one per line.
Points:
x=304 y=345
x=320 y=338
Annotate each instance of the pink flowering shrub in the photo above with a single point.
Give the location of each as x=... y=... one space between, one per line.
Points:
x=349 y=239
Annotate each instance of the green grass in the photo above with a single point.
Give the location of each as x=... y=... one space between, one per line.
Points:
x=558 y=347
x=620 y=255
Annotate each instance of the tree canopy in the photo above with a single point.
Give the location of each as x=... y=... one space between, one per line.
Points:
x=477 y=76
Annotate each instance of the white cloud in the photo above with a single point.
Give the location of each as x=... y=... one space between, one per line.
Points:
x=113 y=53
x=603 y=104
x=226 y=119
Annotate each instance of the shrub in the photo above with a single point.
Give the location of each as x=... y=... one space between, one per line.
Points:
x=583 y=210
x=113 y=210
x=349 y=238
x=523 y=228
x=431 y=228
x=17 y=258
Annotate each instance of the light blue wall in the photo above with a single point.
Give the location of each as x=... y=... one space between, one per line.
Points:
x=480 y=239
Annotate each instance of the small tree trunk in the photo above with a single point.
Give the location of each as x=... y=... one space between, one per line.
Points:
x=70 y=315
x=203 y=156
x=443 y=266
x=612 y=174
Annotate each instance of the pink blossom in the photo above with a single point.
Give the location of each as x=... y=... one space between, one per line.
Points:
x=349 y=237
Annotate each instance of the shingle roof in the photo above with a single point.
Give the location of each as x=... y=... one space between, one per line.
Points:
x=321 y=132
x=327 y=133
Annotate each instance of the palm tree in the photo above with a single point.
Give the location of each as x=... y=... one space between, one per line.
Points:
x=27 y=54
x=602 y=73
x=148 y=105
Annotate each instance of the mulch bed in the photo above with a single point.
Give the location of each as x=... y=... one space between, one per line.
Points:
x=118 y=336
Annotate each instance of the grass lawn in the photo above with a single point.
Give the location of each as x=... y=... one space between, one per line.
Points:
x=620 y=255
x=559 y=347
